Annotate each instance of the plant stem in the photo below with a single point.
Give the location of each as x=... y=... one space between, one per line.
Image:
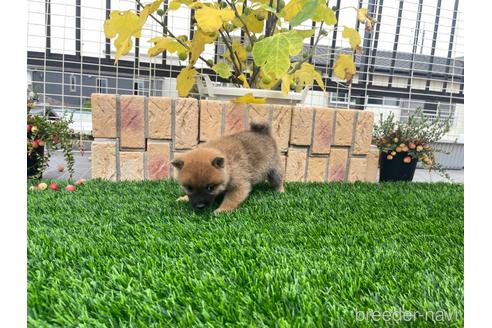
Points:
x=232 y=52
x=241 y=20
x=166 y=30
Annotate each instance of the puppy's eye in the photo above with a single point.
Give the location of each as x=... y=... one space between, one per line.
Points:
x=210 y=187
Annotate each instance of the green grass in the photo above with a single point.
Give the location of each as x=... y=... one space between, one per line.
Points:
x=128 y=255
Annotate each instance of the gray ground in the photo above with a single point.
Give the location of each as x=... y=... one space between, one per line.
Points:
x=83 y=170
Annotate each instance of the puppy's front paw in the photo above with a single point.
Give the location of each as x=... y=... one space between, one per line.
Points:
x=183 y=199
x=222 y=210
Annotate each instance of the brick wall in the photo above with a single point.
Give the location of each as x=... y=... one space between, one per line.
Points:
x=136 y=137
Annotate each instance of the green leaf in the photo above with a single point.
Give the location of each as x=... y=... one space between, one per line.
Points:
x=273 y=53
x=222 y=69
x=308 y=10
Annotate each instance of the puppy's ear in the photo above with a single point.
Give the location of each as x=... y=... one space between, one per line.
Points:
x=218 y=162
x=177 y=163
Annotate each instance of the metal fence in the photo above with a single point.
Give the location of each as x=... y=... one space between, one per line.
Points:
x=413 y=58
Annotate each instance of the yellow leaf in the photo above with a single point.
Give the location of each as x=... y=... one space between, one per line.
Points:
x=162 y=44
x=365 y=19
x=185 y=81
x=325 y=14
x=353 y=36
x=362 y=15
x=147 y=10
x=211 y=19
x=344 y=67
x=126 y=24
x=200 y=38
x=254 y=25
x=306 y=75
x=248 y=99
x=174 y=5
x=242 y=77
x=286 y=80
x=292 y=9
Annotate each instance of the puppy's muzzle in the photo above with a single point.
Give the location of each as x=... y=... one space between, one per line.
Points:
x=200 y=206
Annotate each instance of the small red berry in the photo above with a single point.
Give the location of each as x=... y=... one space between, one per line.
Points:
x=411 y=145
x=389 y=157
x=41 y=143
x=54 y=186
x=398 y=149
x=80 y=182
x=407 y=159
x=35 y=144
x=29 y=127
x=70 y=188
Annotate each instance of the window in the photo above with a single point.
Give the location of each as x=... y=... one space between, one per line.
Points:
x=430 y=109
x=138 y=87
x=102 y=85
x=389 y=101
x=73 y=83
x=384 y=101
x=341 y=98
x=375 y=100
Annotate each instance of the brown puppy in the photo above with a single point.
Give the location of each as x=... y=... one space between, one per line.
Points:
x=229 y=165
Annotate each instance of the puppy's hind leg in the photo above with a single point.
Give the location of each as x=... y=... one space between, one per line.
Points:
x=233 y=198
x=276 y=178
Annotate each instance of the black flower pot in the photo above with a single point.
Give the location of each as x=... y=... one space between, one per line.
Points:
x=34 y=163
x=395 y=169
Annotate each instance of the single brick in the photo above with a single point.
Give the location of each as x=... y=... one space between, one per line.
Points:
x=323 y=131
x=160 y=119
x=259 y=113
x=357 y=169
x=131 y=166
x=186 y=124
x=210 y=119
x=363 y=132
x=158 y=160
x=235 y=118
x=302 y=125
x=281 y=121
x=316 y=169
x=132 y=121
x=103 y=115
x=344 y=127
x=103 y=160
x=372 y=164
x=337 y=166
x=296 y=164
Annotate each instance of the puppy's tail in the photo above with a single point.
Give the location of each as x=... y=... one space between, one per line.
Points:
x=261 y=128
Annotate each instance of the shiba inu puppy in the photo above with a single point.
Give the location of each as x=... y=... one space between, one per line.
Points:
x=229 y=165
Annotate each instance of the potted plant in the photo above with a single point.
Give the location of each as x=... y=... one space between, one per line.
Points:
x=266 y=57
x=45 y=133
x=403 y=143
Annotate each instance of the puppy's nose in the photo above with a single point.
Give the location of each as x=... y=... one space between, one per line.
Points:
x=200 y=206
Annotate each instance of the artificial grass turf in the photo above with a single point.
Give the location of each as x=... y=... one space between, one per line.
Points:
x=127 y=254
